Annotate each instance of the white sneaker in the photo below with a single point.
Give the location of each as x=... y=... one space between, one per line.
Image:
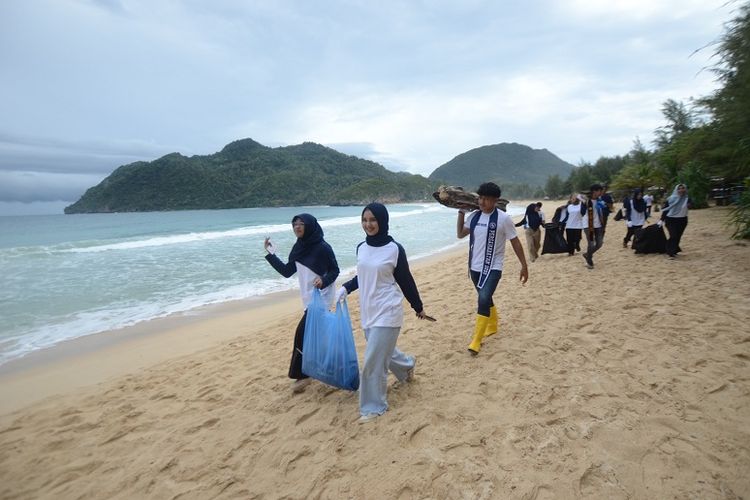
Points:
x=410 y=372
x=367 y=418
x=299 y=385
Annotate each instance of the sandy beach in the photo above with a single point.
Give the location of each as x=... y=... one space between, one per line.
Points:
x=631 y=380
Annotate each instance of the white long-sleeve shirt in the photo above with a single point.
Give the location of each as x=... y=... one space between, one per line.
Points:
x=637 y=218
x=383 y=278
x=306 y=277
x=575 y=219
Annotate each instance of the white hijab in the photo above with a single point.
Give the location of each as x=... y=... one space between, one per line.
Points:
x=675 y=203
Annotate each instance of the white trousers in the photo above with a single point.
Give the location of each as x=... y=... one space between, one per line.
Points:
x=381 y=355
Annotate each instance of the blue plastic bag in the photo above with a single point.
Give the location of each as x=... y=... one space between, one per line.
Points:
x=328 y=351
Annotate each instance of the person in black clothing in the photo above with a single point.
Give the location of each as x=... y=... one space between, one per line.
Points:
x=315 y=264
x=674 y=214
x=592 y=212
x=607 y=208
x=531 y=222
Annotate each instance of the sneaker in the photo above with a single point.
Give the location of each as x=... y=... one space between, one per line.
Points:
x=367 y=418
x=589 y=262
x=410 y=372
x=300 y=384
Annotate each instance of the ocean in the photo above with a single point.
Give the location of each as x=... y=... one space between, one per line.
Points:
x=68 y=276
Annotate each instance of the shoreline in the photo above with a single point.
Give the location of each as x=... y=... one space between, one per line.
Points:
x=75 y=363
x=92 y=359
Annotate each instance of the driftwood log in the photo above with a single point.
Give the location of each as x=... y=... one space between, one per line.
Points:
x=456 y=197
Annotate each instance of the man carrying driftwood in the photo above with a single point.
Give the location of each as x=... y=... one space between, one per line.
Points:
x=489 y=228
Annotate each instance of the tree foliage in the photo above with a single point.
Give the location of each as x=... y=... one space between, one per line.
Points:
x=248 y=174
x=730 y=103
x=694 y=176
x=708 y=138
x=635 y=175
x=555 y=187
x=680 y=119
x=740 y=215
x=507 y=164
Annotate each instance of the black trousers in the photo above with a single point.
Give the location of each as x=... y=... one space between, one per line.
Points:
x=573 y=236
x=676 y=226
x=630 y=233
x=295 y=366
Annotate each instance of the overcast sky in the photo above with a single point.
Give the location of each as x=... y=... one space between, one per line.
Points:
x=90 y=85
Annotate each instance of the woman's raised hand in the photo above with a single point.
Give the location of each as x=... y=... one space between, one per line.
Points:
x=268 y=245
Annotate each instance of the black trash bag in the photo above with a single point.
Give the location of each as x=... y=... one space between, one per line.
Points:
x=554 y=239
x=650 y=239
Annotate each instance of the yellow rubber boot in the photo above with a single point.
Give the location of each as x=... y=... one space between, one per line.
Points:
x=492 y=323
x=479 y=329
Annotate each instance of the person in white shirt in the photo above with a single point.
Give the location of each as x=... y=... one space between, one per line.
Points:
x=592 y=210
x=635 y=214
x=315 y=264
x=541 y=214
x=383 y=279
x=573 y=224
x=649 y=203
x=489 y=228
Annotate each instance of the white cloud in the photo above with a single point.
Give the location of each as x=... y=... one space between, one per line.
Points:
x=567 y=113
x=639 y=10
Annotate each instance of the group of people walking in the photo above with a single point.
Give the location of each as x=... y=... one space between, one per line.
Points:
x=383 y=277
x=589 y=215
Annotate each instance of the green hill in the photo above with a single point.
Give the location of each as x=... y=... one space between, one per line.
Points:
x=505 y=163
x=248 y=174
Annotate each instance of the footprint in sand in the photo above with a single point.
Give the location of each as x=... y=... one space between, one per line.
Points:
x=540 y=492
x=205 y=425
x=600 y=481
x=307 y=415
x=415 y=438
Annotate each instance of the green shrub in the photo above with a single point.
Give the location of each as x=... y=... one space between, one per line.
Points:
x=739 y=217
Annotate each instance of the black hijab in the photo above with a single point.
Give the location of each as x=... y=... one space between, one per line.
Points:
x=532 y=216
x=638 y=204
x=381 y=215
x=312 y=237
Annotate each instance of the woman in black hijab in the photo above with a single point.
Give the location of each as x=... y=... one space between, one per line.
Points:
x=383 y=279
x=635 y=214
x=315 y=264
